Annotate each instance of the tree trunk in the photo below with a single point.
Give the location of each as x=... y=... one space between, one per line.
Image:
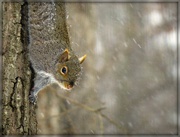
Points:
x=18 y=115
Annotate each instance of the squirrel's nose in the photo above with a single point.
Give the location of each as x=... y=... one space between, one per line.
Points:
x=71 y=83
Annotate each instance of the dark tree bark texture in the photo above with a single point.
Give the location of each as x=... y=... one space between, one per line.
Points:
x=18 y=115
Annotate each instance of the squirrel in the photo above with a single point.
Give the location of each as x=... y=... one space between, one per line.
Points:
x=50 y=53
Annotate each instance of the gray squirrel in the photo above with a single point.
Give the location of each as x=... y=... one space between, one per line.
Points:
x=50 y=53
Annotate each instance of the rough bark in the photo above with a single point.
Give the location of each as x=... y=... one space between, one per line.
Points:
x=18 y=115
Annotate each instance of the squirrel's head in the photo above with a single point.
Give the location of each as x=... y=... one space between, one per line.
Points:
x=68 y=69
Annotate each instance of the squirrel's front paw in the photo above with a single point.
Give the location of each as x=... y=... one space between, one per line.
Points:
x=33 y=99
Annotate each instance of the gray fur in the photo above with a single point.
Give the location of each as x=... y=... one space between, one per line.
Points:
x=48 y=40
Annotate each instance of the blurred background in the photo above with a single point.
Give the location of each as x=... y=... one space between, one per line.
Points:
x=129 y=79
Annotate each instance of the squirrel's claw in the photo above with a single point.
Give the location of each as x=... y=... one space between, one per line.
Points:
x=33 y=99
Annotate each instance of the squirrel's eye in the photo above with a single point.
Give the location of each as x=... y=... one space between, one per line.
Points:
x=64 y=70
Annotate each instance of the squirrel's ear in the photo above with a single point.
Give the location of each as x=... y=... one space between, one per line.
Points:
x=64 y=56
x=81 y=59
